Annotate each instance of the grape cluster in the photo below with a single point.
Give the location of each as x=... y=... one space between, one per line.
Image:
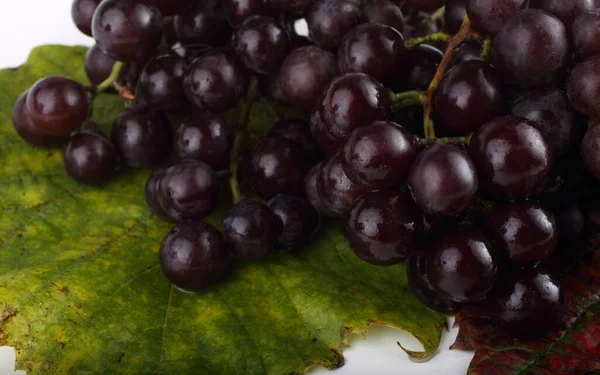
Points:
x=482 y=215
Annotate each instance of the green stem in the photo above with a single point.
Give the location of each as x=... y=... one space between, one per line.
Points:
x=431 y=38
x=114 y=75
x=406 y=99
x=487 y=48
x=234 y=183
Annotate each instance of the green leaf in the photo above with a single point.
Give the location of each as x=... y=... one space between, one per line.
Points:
x=81 y=291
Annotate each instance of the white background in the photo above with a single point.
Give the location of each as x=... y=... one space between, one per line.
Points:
x=28 y=23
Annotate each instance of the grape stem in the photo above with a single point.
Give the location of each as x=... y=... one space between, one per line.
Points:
x=487 y=48
x=463 y=34
x=124 y=92
x=114 y=75
x=406 y=99
x=431 y=38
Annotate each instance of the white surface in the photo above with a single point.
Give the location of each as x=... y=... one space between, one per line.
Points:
x=28 y=23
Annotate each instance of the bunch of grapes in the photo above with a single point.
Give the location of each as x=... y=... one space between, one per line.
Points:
x=483 y=213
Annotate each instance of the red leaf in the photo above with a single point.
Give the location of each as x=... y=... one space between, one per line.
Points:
x=574 y=349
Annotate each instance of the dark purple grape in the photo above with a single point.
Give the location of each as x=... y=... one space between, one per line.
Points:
x=566 y=10
x=205 y=24
x=585 y=34
x=373 y=49
x=261 y=44
x=512 y=158
x=421 y=66
x=215 y=82
x=461 y=265
x=383 y=227
x=127 y=30
x=142 y=136
x=584 y=87
x=425 y=5
x=28 y=130
x=337 y=192
x=236 y=11
x=312 y=194
x=590 y=151
x=251 y=230
x=570 y=220
x=292 y=6
x=471 y=49
x=207 y=138
x=379 y=156
x=420 y=285
x=329 y=20
x=189 y=191
x=352 y=101
x=278 y=167
x=326 y=141
x=304 y=74
x=299 y=132
x=82 y=13
x=470 y=95
x=300 y=221
x=456 y=10
x=57 y=105
x=172 y=7
x=525 y=232
x=490 y=15
x=552 y=114
x=527 y=303
x=90 y=158
x=383 y=12
x=193 y=256
x=531 y=49
x=161 y=82
x=98 y=65
x=443 y=180
x=153 y=194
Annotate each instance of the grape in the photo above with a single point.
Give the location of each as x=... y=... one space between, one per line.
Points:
x=512 y=158
x=351 y=101
x=490 y=15
x=142 y=136
x=585 y=34
x=161 y=82
x=205 y=24
x=251 y=230
x=304 y=74
x=470 y=94
x=422 y=64
x=207 y=138
x=172 y=7
x=336 y=190
x=471 y=49
x=326 y=141
x=299 y=132
x=193 y=256
x=236 y=11
x=98 y=65
x=590 y=151
x=525 y=232
x=566 y=10
x=420 y=285
x=82 y=13
x=383 y=12
x=57 y=105
x=461 y=265
x=215 y=82
x=127 y=30
x=531 y=49
x=383 y=227
x=300 y=221
x=373 y=49
x=379 y=156
x=292 y=6
x=261 y=44
x=454 y=15
x=549 y=109
x=329 y=20
x=311 y=192
x=443 y=180
x=189 y=191
x=425 y=5
x=153 y=196
x=528 y=303
x=90 y=158
x=278 y=167
x=584 y=87
x=570 y=221
x=28 y=130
